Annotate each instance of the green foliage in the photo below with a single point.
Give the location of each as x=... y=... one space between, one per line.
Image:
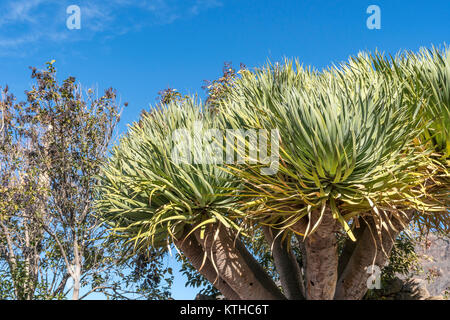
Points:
x=403 y=259
x=345 y=144
x=403 y=262
x=149 y=197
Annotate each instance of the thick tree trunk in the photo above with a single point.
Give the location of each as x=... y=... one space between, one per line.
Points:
x=286 y=264
x=321 y=258
x=300 y=228
x=76 y=269
x=237 y=266
x=196 y=256
x=349 y=247
x=369 y=250
x=301 y=247
x=76 y=277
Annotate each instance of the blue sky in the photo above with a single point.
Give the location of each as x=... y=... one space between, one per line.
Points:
x=142 y=47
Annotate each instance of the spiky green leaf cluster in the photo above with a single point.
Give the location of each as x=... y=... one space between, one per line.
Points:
x=367 y=137
x=346 y=144
x=148 y=196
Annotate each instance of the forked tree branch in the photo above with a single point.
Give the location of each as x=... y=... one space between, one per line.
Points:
x=196 y=256
x=236 y=266
x=285 y=263
x=370 y=249
x=349 y=247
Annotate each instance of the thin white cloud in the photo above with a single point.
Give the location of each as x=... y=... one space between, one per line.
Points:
x=19 y=11
x=204 y=5
x=27 y=22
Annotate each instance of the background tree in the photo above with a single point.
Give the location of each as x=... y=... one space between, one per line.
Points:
x=20 y=239
x=51 y=242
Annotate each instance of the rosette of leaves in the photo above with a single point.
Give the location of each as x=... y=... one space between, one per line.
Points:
x=160 y=181
x=424 y=79
x=346 y=147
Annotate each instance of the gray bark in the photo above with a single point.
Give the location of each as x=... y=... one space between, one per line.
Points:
x=370 y=249
x=286 y=265
x=321 y=259
x=236 y=266
x=196 y=256
x=349 y=247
